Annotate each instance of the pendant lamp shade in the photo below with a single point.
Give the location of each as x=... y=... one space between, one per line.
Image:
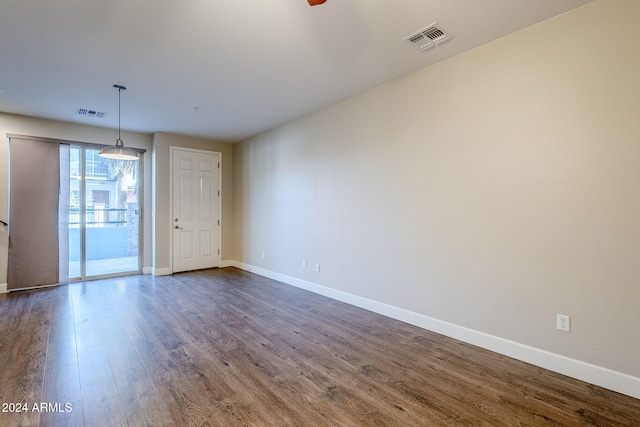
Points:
x=118 y=151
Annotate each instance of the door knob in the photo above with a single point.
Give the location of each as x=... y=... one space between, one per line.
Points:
x=178 y=228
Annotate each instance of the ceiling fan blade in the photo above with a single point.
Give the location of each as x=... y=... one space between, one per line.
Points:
x=315 y=2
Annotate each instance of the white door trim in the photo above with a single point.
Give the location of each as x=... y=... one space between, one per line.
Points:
x=172 y=149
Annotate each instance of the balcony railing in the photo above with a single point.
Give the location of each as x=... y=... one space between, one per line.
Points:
x=99 y=217
x=96 y=169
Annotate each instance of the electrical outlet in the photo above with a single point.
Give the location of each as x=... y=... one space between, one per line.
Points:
x=262 y=254
x=563 y=323
x=317 y=266
x=304 y=263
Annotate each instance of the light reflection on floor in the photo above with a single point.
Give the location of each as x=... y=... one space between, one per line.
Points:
x=101 y=267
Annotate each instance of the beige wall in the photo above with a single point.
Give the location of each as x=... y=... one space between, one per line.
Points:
x=162 y=187
x=492 y=191
x=15 y=124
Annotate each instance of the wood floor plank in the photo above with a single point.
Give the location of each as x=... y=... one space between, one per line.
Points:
x=62 y=379
x=144 y=405
x=224 y=347
x=22 y=382
x=102 y=402
x=74 y=418
x=156 y=340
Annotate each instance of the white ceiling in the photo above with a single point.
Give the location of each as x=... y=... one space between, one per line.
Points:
x=227 y=69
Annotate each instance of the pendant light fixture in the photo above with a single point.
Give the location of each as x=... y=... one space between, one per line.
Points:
x=118 y=151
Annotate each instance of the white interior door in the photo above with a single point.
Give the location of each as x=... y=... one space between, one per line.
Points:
x=196 y=209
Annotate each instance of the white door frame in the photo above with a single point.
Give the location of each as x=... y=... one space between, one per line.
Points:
x=172 y=149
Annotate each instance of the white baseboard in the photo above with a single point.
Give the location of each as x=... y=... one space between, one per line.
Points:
x=164 y=271
x=226 y=263
x=603 y=377
x=147 y=270
x=3 y=288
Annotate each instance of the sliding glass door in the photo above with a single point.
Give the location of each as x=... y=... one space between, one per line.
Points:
x=104 y=215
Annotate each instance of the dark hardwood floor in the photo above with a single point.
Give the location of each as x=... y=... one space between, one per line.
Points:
x=228 y=348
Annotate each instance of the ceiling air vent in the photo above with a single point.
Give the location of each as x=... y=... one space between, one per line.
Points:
x=90 y=113
x=429 y=37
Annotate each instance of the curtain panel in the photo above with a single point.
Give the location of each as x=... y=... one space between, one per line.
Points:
x=34 y=180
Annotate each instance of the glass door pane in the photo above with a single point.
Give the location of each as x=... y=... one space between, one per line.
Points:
x=104 y=216
x=111 y=215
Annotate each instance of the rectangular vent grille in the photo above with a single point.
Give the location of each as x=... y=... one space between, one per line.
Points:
x=90 y=113
x=429 y=37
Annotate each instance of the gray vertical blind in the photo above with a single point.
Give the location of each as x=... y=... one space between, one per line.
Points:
x=33 y=213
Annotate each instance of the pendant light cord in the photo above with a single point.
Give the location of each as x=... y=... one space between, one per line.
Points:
x=120 y=89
